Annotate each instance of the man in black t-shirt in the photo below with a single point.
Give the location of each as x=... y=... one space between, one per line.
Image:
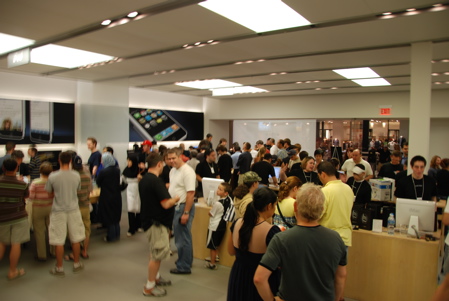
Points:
x=360 y=187
x=206 y=169
x=392 y=168
x=244 y=161
x=417 y=186
x=156 y=214
x=264 y=169
x=224 y=163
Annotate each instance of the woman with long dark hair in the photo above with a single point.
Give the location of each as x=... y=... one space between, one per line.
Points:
x=248 y=242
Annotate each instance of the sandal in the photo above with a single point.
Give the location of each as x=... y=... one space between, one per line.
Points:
x=69 y=257
x=19 y=273
x=84 y=257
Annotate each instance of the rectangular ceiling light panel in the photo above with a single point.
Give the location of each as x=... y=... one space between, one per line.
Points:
x=208 y=84
x=236 y=90
x=257 y=15
x=372 y=82
x=66 y=57
x=354 y=73
x=10 y=43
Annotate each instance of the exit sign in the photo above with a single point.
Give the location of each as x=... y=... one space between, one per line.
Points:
x=385 y=111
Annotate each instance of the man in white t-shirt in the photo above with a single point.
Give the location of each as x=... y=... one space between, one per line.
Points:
x=349 y=165
x=182 y=184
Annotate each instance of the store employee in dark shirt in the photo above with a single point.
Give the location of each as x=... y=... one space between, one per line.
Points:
x=393 y=167
x=207 y=169
x=264 y=169
x=417 y=186
x=360 y=187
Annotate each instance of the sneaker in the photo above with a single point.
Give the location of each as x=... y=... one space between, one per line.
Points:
x=140 y=230
x=154 y=292
x=217 y=259
x=78 y=268
x=129 y=234
x=57 y=273
x=210 y=266
x=163 y=282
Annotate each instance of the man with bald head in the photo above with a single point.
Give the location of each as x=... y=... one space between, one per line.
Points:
x=349 y=165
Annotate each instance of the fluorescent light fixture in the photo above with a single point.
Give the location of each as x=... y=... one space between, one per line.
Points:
x=236 y=90
x=133 y=14
x=257 y=15
x=352 y=73
x=10 y=43
x=371 y=82
x=66 y=57
x=208 y=84
x=106 y=22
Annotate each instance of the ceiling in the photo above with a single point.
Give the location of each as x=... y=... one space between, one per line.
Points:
x=344 y=34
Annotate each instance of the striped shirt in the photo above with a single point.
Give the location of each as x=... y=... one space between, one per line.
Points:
x=38 y=195
x=34 y=166
x=12 y=200
x=86 y=188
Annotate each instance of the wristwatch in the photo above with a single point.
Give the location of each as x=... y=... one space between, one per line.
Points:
x=186 y=212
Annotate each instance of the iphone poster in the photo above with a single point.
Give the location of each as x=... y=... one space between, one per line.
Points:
x=36 y=122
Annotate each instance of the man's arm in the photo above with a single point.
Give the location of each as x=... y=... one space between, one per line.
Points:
x=261 y=282
x=199 y=178
x=168 y=203
x=188 y=206
x=340 y=280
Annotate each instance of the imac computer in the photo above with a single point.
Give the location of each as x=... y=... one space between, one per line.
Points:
x=210 y=186
x=424 y=210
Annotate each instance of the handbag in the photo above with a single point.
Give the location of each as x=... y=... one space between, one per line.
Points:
x=123 y=183
x=283 y=218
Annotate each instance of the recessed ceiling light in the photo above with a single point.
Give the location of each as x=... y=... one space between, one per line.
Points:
x=317 y=88
x=238 y=63
x=249 y=62
x=197 y=43
x=371 y=82
x=334 y=88
x=185 y=45
x=133 y=14
x=210 y=41
x=299 y=82
x=435 y=74
x=172 y=71
x=352 y=73
x=386 y=14
x=446 y=73
x=10 y=43
x=438 y=4
x=66 y=57
x=445 y=61
x=316 y=81
x=446 y=82
x=257 y=15
x=410 y=9
x=274 y=73
x=261 y=60
x=437 y=83
x=208 y=84
x=106 y=22
x=283 y=73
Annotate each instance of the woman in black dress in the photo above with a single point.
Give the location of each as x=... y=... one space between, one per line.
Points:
x=110 y=200
x=248 y=242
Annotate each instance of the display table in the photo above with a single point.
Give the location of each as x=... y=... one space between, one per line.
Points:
x=94 y=195
x=391 y=267
x=199 y=236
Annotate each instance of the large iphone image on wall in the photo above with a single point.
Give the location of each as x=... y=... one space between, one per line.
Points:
x=41 y=121
x=156 y=125
x=12 y=119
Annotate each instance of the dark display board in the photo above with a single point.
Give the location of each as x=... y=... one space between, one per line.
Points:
x=164 y=125
x=26 y=122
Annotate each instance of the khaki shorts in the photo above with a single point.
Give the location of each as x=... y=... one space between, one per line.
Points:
x=159 y=242
x=85 y=216
x=16 y=233
x=60 y=222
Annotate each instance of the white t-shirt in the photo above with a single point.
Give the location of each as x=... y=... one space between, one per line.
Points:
x=274 y=150
x=216 y=214
x=349 y=165
x=253 y=153
x=447 y=211
x=182 y=180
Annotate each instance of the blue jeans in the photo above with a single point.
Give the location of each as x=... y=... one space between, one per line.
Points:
x=183 y=239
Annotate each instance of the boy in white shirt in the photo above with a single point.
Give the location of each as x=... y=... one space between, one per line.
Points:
x=217 y=222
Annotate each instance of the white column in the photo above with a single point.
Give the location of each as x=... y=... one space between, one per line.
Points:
x=420 y=100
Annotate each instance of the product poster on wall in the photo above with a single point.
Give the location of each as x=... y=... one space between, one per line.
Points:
x=163 y=125
x=38 y=122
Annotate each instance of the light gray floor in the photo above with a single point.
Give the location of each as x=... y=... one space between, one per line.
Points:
x=115 y=271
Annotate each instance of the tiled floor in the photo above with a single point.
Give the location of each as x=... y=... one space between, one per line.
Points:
x=114 y=272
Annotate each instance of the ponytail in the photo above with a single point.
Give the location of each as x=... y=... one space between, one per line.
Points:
x=287 y=186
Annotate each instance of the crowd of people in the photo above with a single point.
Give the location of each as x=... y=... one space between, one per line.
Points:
x=290 y=231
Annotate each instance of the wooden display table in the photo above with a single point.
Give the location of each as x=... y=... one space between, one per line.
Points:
x=199 y=236
x=391 y=267
x=94 y=195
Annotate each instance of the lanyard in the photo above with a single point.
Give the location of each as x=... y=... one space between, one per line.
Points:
x=414 y=186
x=357 y=192
x=307 y=177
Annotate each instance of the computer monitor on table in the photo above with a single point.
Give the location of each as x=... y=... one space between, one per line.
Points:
x=277 y=171
x=210 y=186
x=424 y=210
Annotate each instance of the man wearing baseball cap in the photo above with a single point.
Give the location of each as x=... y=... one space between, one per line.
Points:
x=243 y=194
x=146 y=150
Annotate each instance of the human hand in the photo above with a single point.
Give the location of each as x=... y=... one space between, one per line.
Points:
x=184 y=219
